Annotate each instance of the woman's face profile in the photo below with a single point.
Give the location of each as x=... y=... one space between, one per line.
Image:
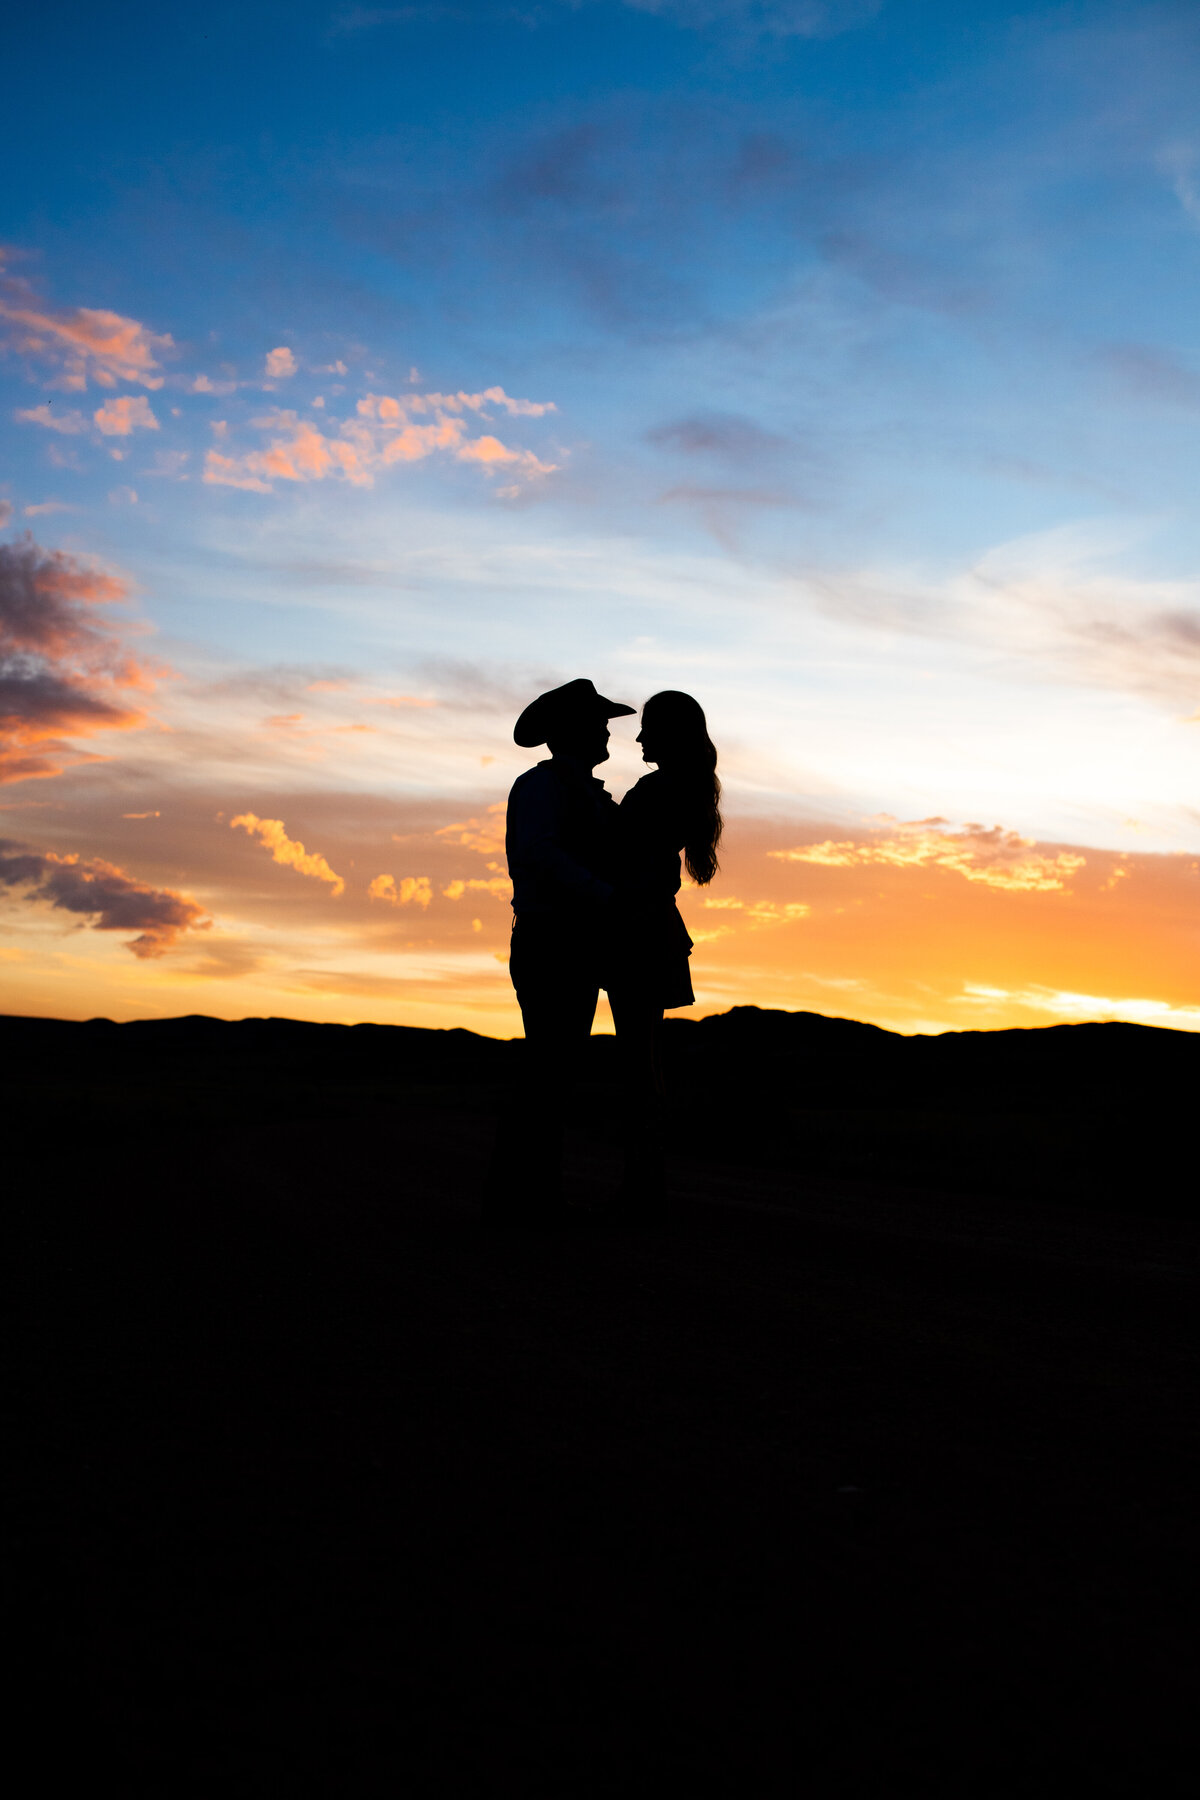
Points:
x=650 y=737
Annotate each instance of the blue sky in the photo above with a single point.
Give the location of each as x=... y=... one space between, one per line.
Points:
x=848 y=375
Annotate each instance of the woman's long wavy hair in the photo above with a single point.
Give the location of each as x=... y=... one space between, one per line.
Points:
x=693 y=765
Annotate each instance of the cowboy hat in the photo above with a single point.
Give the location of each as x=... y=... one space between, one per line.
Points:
x=575 y=703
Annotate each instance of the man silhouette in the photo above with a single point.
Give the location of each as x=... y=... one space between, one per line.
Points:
x=559 y=842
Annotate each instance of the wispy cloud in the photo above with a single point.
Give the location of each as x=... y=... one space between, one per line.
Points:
x=1180 y=162
x=71 y=423
x=1057 y=601
x=764 y=18
x=992 y=856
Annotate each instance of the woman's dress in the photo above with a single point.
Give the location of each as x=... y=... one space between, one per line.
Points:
x=650 y=945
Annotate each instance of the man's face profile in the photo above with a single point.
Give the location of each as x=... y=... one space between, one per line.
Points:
x=588 y=742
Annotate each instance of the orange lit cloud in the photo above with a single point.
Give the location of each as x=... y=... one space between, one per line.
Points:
x=414 y=889
x=995 y=857
x=120 y=417
x=63 y=671
x=273 y=835
x=384 y=432
x=117 y=901
x=761 y=912
x=499 y=887
x=912 y=945
x=280 y=363
x=914 y=940
x=79 y=343
x=486 y=839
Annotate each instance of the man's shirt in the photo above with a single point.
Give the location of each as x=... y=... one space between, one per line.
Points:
x=559 y=838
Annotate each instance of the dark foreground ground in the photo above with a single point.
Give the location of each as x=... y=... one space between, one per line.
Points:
x=875 y=1470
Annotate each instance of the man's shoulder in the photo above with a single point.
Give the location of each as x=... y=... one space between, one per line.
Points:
x=540 y=776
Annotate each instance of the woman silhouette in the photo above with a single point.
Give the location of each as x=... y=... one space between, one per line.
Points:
x=675 y=809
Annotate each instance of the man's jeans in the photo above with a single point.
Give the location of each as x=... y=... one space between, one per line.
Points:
x=553 y=964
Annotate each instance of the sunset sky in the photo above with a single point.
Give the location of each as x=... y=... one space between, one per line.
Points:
x=366 y=370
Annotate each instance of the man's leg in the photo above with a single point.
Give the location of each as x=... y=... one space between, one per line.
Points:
x=557 y=997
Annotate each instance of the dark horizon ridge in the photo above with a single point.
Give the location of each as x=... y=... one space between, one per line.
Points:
x=742 y=1017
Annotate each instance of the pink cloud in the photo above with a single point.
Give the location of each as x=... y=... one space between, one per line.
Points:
x=490 y=451
x=229 y=471
x=120 y=417
x=280 y=363
x=70 y=422
x=79 y=343
x=381 y=435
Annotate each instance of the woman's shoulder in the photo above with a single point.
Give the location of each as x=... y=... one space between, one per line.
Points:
x=650 y=790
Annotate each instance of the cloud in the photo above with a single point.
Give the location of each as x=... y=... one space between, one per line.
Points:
x=170 y=464
x=995 y=857
x=755 y=913
x=72 y=423
x=764 y=18
x=413 y=888
x=385 y=431
x=755 y=18
x=280 y=364
x=499 y=887
x=728 y=436
x=118 y=418
x=79 y=343
x=117 y=901
x=273 y=834
x=64 y=672
x=486 y=839
x=1050 y=600
x=6 y=512
x=1061 y=1004
x=1148 y=373
x=1180 y=162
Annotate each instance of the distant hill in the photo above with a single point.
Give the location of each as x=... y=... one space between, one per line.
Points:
x=1092 y=1113
x=749 y=1039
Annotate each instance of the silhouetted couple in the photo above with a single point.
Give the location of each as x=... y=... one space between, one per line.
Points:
x=594 y=888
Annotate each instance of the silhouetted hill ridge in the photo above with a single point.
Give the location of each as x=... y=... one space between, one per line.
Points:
x=746 y=1046
x=1093 y=1113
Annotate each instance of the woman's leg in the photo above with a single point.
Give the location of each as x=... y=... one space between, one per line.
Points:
x=638 y=1022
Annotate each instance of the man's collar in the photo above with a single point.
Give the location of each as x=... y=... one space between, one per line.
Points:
x=570 y=768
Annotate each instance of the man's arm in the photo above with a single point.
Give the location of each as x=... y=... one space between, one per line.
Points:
x=537 y=812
